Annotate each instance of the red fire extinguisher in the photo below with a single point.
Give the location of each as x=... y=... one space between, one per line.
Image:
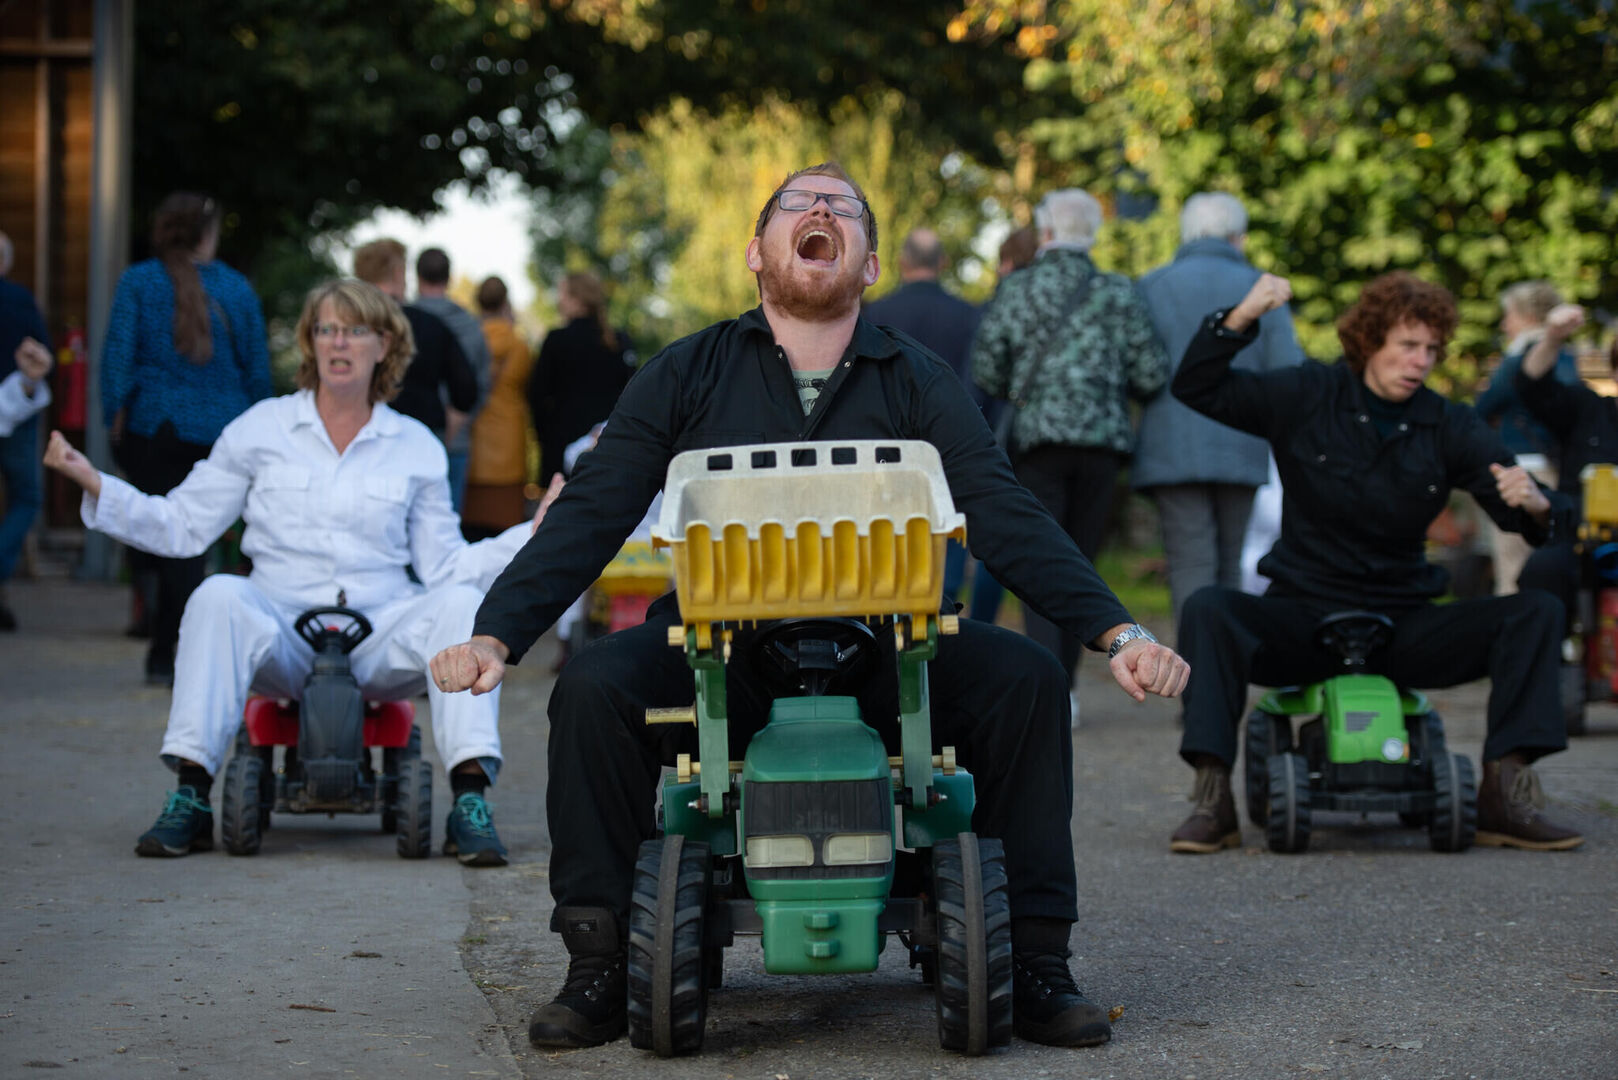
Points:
x=72 y=381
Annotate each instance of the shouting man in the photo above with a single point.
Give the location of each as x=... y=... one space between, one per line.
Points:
x=803 y=365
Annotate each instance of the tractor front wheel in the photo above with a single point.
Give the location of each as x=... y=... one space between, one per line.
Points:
x=1288 y=826
x=668 y=966
x=972 y=981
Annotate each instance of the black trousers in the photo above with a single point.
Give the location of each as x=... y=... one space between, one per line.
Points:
x=1555 y=569
x=1075 y=483
x=156 y=465
x=996 y=697
x=1232 y=639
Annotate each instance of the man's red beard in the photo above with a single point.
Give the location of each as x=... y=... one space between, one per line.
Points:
x=804 y=294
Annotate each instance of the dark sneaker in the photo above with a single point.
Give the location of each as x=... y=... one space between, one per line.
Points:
x=592 y=1007
x=184 y=826
x=1509 y=804
x=1046 y=1005
x=1212 y=824
x=469 y=833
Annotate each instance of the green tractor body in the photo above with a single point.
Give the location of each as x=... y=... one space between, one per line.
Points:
x=805 y=560
x=1355 y=742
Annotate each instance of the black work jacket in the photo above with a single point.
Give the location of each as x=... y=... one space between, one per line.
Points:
x=1355 y=506
x=439 y=361
x=730 y=385
x=1584 y=424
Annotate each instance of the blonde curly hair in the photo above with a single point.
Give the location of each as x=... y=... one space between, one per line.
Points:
x=361 y=304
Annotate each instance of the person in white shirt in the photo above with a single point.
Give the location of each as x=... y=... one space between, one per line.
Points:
x=339 y=494
x=24 y=392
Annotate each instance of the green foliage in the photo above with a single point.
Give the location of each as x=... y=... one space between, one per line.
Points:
x=677 y=202
x=1473 y=143
x=304 y=116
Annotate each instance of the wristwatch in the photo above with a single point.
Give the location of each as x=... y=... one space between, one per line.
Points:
x=1129 y=633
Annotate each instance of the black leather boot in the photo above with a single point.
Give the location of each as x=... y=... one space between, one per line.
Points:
x=593 y=1005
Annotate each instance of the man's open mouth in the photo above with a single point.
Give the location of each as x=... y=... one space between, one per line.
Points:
x=818 y=246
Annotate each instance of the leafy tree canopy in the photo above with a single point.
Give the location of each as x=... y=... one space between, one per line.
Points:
x=304 y=116
x=1474 y=143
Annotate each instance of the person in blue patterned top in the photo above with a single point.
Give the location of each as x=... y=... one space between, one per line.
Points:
x=185 y=354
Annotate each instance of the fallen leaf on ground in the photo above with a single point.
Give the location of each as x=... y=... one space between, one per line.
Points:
x=1115 y=1013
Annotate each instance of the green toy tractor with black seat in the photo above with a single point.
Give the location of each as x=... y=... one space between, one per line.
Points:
x=1365 y=746
x=800 y=556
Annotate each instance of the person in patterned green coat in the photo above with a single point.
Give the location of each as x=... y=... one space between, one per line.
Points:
x=1072 y=431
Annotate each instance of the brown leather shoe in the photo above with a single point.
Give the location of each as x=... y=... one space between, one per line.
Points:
x=1212 y=824
x=1509 y=804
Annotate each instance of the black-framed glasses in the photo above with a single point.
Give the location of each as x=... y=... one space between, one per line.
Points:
x=797 y=200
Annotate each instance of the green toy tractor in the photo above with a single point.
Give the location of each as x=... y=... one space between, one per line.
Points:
x=1365 y=746
x=801 y=555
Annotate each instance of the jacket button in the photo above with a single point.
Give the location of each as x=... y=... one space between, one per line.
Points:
x=1404 y=427
x=1363 y=418
x=1321 y=458
x=1432 y=489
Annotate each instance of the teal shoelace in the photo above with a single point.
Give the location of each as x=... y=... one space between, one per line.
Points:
x=471 y=806
x=179 y=806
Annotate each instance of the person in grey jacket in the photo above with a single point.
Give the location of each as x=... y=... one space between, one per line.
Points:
x=1202 y=474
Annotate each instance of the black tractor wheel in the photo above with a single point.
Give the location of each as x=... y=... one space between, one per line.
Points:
x=668 y=966
x=240 y=810
x=972 y=983
x=1575 y=692
x=1454 y=822
x=415 y=809
x=393 y=759
x=1267 y=734
x=1288 y=826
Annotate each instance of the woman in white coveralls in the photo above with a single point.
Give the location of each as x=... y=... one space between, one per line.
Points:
x=339 y=494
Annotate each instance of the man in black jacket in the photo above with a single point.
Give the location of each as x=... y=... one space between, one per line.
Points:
x=439 y=360
x=922 y=308
x=803 y=365
x=1368 y=456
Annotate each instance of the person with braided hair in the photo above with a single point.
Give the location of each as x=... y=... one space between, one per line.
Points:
x=185 y=354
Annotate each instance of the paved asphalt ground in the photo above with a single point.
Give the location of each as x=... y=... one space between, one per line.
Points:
x=326 y=955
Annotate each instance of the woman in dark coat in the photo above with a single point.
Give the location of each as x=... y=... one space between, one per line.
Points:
x=582 y=368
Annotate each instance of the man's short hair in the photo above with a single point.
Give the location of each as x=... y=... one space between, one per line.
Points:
x=377 y=261
x=922 y=250
x=1531 y=299
x=491 y=295
x=432 y=267
x=7 y=254
x=825 y=168
x=1071 y=216
x=1386 y=302
x=1212 y=214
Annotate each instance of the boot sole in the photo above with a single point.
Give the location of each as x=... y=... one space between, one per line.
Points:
x=546 y=1035
x=485 y=857
x=1496 y=839
x=153 y=848
x=1094 y=1033
x=1196 y=847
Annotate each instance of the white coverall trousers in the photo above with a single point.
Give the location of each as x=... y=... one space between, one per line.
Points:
x=236 y=639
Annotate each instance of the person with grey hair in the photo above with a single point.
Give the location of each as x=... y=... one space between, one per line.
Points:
x=1524 y=308
x=24 y=351
x=1200 y=473
x=1069 y=346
